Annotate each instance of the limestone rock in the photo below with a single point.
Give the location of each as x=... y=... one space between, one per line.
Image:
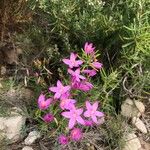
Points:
x=32 y=137
x=128 y=109
x=140 y=106
x=139 y=124
x=132 y=142
x=27 y=148
x=11 y=126
x=1 y=85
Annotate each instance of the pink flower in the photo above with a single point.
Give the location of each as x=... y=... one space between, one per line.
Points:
x=76 y=74
x=72 y=62
x=76 y=134
x=59 y=90
x=97 y=65
x=92 y=111
x=75 y=84
x=43 y=103
x=67 y=103
x=91 y=73
x=65 y=96
x=88 y=48
x=64 y=140
x=48 y=118
x=74 y=116
x=85 y=86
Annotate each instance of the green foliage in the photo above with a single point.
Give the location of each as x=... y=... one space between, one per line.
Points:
x=119 y=29
x=114 y=131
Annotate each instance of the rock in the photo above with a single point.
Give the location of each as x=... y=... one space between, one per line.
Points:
x=11 y=126
x=128 y=109
x=139 y=124
x=145 y=146
x=18 y=96
x=132 y=142
x=3 y=70
x=91 y=147
x=1 y=86
x=32 y=137
x=27 y=148
x=140 y=106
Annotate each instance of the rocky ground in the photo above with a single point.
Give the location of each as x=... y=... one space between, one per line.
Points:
x=17 y=132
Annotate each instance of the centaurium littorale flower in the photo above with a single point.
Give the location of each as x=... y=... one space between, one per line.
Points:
x=72 y=62
x=76 y=134
x=85 y=86
x=76 y=74
x=48 y=118
x=64 y=140
x=43 y=103
x=92 y=111
x=89 y=72
x=74 y=116
x=88 y=48
x=97 y=65
x=59 y=90
x=67 y=104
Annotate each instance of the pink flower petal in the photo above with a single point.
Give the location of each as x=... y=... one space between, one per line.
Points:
x=99 y=114
x=41 y=98
x=95 y=106
x=87 y=114
x=73 y=56
x=66 y=114
x=88 y=105
x=97 y=65
x=70 y=72
x=57 y=95
x=59 y=84
x=94 y=119
x=80 y=120
x=66 y=61
x=79 y=111
x=67 y=88
x=82 y=77
x=72 y=122
x=79 y=62
x=53 y=89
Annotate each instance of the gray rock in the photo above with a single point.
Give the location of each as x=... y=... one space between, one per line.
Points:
x=1 y=85
x=32 y=137
x=139 y=124
x=132 y=142
x=128 y=109
x=11 y=126
x=27 y=148
x=140 y=106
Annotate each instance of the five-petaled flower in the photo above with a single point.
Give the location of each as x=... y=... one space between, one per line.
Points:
x=88 y=48
x=91 y=73
x=59 y=90
x=72 y=62
x=76 y=74
x=97 y=65
x=92 y=111
x=43 y=103
x=67 y=103
x=74 y=116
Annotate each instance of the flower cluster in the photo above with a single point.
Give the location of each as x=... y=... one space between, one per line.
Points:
x=80 y=70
